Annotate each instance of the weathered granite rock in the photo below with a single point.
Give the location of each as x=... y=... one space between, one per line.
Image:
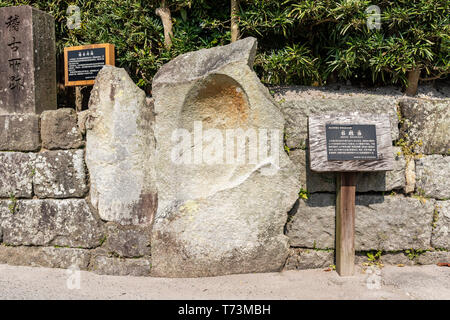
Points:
x=19 y=132
x=426 y=124
x=59 y=129
x=366 y=181
x=433 y=257
x=47 y=257
x=68 y=222
x=386 y=223
x=16 y=174
x=441 y=232
x=217 y=215
x=433 y=176
x=300 y=259
x=313 y=222
x=296 y=113
x=127 y=241
x=120 y=266
x=60 y=174
x=392 y=223
x=120 y=149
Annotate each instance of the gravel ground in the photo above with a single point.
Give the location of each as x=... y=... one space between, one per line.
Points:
x=391 y=282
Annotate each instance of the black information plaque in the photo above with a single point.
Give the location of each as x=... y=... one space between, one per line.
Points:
x=351 y=142
x=85 y=64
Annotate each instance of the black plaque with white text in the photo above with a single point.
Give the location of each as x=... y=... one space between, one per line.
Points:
x=85 y=64
x=351 y=142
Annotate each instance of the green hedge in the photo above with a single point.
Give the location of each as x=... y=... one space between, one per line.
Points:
x=300 y=42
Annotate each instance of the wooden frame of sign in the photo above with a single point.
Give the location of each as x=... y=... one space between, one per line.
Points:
x=85 y=62
x=349 y=143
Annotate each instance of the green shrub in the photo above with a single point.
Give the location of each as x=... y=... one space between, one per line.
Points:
x=300 y=42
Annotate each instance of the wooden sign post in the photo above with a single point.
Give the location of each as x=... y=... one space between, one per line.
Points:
x=346 y=144
x=82 y=63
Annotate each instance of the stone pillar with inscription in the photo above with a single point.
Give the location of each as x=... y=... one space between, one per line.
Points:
x=27 y=61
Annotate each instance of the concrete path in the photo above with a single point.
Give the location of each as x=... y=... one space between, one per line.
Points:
x=392 y=282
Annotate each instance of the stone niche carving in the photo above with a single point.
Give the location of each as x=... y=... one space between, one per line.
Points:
x=224 y=181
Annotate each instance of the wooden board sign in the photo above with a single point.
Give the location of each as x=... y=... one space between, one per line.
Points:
x=350 y=142
x=82 y=63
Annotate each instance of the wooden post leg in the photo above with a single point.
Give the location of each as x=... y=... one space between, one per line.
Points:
x=78 y=99
x=345 y=223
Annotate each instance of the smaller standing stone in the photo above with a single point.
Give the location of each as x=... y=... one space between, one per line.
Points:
x=60 y=174
x=16 y=174
x=433 y=176
x=27 y=60
x=59 y=129
x=19 y=132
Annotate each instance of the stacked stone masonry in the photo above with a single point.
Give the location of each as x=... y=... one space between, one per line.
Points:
x=46 y=217
x=78 y=189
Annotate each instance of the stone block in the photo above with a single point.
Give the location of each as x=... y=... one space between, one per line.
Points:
x=60 y=174
x=127 y=241
x=441 y=231
x=433 y=176
x=16 y=174
x=46 y=257
x=120 y=266
x=64 y=223
x=386 y=223
x=27 y=60
x=59 y=129
x=300 y=259
x=19 y=132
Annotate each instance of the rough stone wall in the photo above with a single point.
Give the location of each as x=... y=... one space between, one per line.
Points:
x=404 y=213
x=46 y=217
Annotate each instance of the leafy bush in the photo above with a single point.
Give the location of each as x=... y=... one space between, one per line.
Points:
x=300 y=42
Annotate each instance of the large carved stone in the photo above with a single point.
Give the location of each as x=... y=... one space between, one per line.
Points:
x=120 y=149
x=219 y=213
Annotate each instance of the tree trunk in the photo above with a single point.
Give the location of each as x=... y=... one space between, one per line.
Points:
x=164 y=13
x=234 y=20
x=413 y=82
